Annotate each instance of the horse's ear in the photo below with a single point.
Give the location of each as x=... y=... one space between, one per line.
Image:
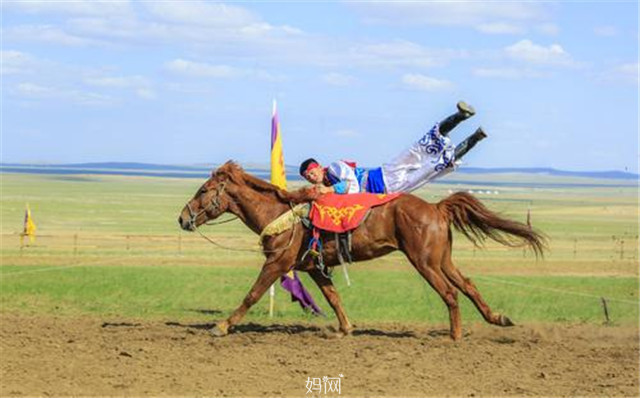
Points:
x=225 y=173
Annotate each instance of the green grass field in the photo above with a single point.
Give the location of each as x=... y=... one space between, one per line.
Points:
x=110 y=246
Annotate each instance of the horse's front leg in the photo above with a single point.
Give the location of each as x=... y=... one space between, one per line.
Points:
x=271 y=271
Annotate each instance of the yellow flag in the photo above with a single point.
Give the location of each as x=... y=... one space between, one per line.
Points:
x=278 y=171
x=278 y=174
x=29 y=226
x=290 y=280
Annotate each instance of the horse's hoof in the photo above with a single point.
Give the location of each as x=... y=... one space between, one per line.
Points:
x=505 y=321
x=347 y=332
x=219 y=330
x=332 y=333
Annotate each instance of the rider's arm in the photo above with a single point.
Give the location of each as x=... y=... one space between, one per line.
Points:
x=348 y=183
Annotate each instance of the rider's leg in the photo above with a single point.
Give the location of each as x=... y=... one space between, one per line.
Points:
x=465 y=111
x=469 y=142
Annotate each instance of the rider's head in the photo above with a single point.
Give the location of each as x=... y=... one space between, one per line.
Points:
x=312 y=171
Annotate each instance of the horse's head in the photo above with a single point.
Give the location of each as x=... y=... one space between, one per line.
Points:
x=210 y=201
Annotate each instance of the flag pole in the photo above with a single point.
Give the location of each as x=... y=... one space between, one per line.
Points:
x=290 y=280
x=346 y=274
x=272 y=288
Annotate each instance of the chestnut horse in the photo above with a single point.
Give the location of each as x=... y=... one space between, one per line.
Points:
x=419 y=229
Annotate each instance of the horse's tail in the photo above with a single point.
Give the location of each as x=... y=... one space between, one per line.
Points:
x=469 y=216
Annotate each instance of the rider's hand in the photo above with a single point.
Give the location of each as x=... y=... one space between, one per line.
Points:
x=323 y=189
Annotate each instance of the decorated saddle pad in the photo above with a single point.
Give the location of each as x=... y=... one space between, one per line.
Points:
x=342 y=213
x=286 y=221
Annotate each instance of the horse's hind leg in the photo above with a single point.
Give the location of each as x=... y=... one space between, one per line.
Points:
x=331 y=294
x=429 y=267
x=469 y=289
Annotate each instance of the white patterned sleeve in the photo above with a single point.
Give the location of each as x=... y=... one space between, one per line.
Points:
x=345 y=173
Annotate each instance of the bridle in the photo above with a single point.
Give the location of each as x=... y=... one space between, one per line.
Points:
x=214 y=205
x=217 y=207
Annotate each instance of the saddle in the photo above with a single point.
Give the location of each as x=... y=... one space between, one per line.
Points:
x=341 y=214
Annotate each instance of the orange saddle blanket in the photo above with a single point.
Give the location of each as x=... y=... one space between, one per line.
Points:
x=342 y=213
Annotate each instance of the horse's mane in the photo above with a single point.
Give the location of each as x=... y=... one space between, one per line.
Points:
x=238 y=175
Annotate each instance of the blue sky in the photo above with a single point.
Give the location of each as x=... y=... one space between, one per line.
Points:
x=555 y=84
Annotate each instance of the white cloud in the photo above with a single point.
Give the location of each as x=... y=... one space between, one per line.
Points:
x=398 y=50
x=16 y=62
x=145 y=93
x=138 y=85
x=33 y=91
x=338 y=79
x=73 y=8
x=507 y=73
x=527 y=51
x=606 y=31
x=500 y=28
x=202 y=13
x=191 y=24
x=395 y=53
x=198 y=69
x=548 y=29
x=204 y=70
x=46 y=34
x=117 y=81
x=449 y=13
x=226 y=31
x=421 y=82
x=623 y=73
x=498 y=17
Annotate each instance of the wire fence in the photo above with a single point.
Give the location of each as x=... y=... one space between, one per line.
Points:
x=622 y=247
x=90 y=250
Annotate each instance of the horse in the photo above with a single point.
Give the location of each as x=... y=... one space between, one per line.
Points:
x=421 y=230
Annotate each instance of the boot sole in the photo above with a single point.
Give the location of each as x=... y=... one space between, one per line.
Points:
x=466 y=108
x=480 y=133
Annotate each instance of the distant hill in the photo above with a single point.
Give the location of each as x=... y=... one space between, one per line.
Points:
x=112 y=166
x=550 y=171
x=148 y=169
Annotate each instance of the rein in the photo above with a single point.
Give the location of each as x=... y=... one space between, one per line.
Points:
x=215 y=204
x=288 y=245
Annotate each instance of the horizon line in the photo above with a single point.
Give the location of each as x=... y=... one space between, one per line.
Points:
x=265 y=165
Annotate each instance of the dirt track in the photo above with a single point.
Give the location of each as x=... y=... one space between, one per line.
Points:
x=47 y=356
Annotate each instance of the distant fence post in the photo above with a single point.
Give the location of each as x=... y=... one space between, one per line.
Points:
x=75 y=244
x=179 y=244
x=128 y=246
x=575 y=247
x=605 y=309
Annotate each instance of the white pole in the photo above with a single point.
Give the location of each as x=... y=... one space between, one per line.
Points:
x=346 y=274
x=272 y=296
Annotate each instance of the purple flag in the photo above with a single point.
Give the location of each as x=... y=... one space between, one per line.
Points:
x=292 y=283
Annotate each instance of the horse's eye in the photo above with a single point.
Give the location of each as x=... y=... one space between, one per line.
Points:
x=202 y=191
